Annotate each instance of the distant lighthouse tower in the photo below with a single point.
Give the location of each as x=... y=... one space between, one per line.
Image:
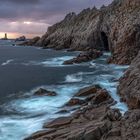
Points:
x=5 y=36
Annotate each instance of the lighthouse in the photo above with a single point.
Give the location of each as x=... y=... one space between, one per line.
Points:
x=5 y=36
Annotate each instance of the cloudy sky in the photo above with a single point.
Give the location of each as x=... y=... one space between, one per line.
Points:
x=32 y=17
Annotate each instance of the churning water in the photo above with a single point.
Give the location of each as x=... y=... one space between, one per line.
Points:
x=25 y=69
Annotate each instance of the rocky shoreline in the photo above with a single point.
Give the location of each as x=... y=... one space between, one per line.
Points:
x=115 y=28
x=88 y=117
x=93 y=120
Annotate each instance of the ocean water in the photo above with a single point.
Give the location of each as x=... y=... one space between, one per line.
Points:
x=25 y=69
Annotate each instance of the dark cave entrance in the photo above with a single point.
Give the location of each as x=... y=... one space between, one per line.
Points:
x=105 y=42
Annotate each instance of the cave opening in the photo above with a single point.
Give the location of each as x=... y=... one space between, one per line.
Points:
x=105 y=42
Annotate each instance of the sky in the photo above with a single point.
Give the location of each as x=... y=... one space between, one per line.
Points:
x=33 y=17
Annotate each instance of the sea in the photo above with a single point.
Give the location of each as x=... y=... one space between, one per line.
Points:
x=25 y=69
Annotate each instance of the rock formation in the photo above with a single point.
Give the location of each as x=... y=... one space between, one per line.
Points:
x=87 y=123
x=84 y=57
x=115 y=28
x=129 y=87
x=94 y=120
x=44 y=92
x=21 y=38
x=31 y=42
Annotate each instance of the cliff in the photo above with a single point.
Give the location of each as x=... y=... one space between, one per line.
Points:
x=115 y=28
x=129 y=87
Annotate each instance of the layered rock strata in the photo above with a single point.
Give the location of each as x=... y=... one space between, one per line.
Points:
x=129 y=87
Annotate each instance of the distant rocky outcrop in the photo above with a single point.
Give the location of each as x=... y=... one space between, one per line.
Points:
x=22 y=38
x=31 y=42
x=115 y=28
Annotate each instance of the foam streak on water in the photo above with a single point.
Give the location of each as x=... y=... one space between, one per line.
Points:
x=7 y=62
x=52 y=62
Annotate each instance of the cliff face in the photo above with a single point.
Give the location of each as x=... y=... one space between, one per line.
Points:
x=129 y=87
x=115 y=28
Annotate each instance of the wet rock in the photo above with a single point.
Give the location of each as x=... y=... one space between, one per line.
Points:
x=84 y=57
x=63 y=111
x=101 y=96
x=75 y=101
x=88 y=91
x=44 y=92
x=58 y=122
x=40 y=133
x=85 y=123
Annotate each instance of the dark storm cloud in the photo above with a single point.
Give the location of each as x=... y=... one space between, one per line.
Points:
x=32 y=17
x=50 y=10
x=20 y=1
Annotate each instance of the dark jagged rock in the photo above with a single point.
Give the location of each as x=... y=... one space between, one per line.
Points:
x=88 y=91
x=84 y=57
x=115 y=28
x=75 y=101
x=44 y=92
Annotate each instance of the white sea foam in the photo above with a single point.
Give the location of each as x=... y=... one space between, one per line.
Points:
x=73 y=78
x=52 y=62
x=7 y=62
x=35 y=110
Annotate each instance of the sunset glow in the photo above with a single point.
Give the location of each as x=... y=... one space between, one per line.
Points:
x=16 y=35
x=27 y=22
x=34 y=18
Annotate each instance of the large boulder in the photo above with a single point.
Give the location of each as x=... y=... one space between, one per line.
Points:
x=88 y=91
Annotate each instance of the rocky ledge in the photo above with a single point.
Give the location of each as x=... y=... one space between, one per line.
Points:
x=84 y=57
x=93 y=120
x=114 y=28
